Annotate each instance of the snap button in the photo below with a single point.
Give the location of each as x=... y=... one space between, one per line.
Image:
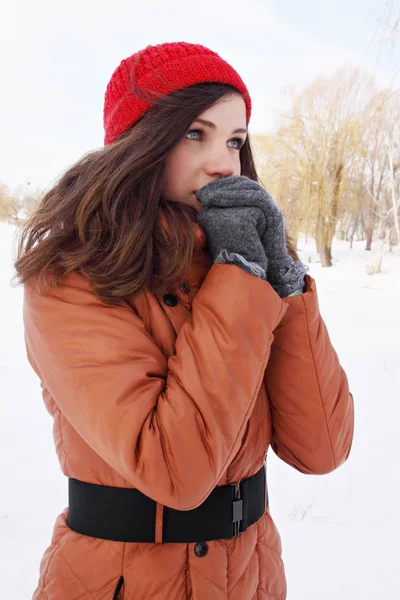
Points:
x=201 y=549
x=185 y=288
x=170 y=299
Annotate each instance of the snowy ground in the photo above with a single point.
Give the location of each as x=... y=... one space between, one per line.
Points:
x=340 y=532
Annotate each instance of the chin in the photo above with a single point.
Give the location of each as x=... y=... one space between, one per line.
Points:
x=196 y=203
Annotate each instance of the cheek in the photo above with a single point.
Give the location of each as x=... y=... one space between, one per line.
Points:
x=238 y=166
x=178 y=166
x=175 y=174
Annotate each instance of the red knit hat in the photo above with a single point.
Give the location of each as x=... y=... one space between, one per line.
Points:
x=163 y=69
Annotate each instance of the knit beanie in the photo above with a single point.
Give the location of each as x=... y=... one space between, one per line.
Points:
x=162 y=69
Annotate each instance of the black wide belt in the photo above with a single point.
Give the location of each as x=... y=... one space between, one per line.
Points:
x=127 y=515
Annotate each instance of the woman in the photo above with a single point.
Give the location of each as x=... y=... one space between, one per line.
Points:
x=176 y=336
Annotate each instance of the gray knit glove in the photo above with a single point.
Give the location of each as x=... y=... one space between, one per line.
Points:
x=283 y=273
x=233 y=234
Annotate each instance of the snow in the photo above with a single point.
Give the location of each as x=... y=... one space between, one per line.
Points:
x=340 y=532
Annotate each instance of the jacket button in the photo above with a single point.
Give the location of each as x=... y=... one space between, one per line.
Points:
x=170 y=299
x=185 y=288
x=201 y=549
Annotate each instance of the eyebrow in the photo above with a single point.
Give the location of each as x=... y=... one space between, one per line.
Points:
x=213 y=126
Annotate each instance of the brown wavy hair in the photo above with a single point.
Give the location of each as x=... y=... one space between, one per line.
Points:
x=102 y=217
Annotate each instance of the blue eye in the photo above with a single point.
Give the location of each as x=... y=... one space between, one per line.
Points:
x=195 y=135
x=196 y=132
x=239 y=142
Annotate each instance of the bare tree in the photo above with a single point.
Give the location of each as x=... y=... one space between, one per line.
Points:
x=316 y=153
x=29 y=198
x=9 y=205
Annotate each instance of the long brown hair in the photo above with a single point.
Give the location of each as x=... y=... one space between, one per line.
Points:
x=102 y=220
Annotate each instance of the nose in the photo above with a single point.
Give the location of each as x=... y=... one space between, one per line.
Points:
x=220 y=163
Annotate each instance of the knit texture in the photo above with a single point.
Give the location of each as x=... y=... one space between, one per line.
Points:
x=161 y=70
x=233 y=234
x=285 y=274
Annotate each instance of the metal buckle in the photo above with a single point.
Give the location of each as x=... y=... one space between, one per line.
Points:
x=237 y=509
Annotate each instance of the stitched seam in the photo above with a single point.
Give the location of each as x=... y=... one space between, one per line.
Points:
x=261 y=540
x=246 y=566
x=144 y=316
x=56 y=549
x=122 y=562
x=272 y=550
x=75 y=575
x=227 y=565
x=187 y=572
x=319 y=386
x=48 y=567
x=111 y=545
x=258 y=560
x=133 y=553
x=162 y=441
x=242 y=573
x=256 y=391
x=270 y=596
x=180 y=572
x=283 y=310
x=209 y=580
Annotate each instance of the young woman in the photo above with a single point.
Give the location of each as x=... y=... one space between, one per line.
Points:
x=177 y=336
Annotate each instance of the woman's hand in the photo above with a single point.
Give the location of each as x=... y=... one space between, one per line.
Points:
x=284 y=274
x=233 y=232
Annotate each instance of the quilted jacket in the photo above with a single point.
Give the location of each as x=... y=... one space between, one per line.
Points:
x=173 y=401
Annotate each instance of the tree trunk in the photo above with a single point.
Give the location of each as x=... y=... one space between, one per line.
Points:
x=356 y=220
x=327 y=229
x=323 y=246
x=393 y=196
x=370 y=232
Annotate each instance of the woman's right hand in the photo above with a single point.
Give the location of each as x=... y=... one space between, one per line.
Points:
x=233 y=232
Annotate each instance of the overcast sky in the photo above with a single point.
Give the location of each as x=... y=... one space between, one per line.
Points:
x=57 y=57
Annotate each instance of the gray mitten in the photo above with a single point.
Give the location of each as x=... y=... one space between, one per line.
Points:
x=283 y=273
x=233 y=234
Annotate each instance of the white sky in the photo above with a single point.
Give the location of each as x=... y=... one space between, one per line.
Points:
x=57 y=57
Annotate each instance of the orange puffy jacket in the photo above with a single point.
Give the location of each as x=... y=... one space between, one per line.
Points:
x=174 y=401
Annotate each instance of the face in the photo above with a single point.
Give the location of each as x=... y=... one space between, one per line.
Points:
x=209 y=151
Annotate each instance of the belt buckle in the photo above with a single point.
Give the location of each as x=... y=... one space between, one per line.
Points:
x=237 y=509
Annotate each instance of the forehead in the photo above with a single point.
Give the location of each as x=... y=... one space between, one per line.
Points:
x=228 y=110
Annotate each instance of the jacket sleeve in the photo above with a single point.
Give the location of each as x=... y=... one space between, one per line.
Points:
x=170 y=427
x=311 y=406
